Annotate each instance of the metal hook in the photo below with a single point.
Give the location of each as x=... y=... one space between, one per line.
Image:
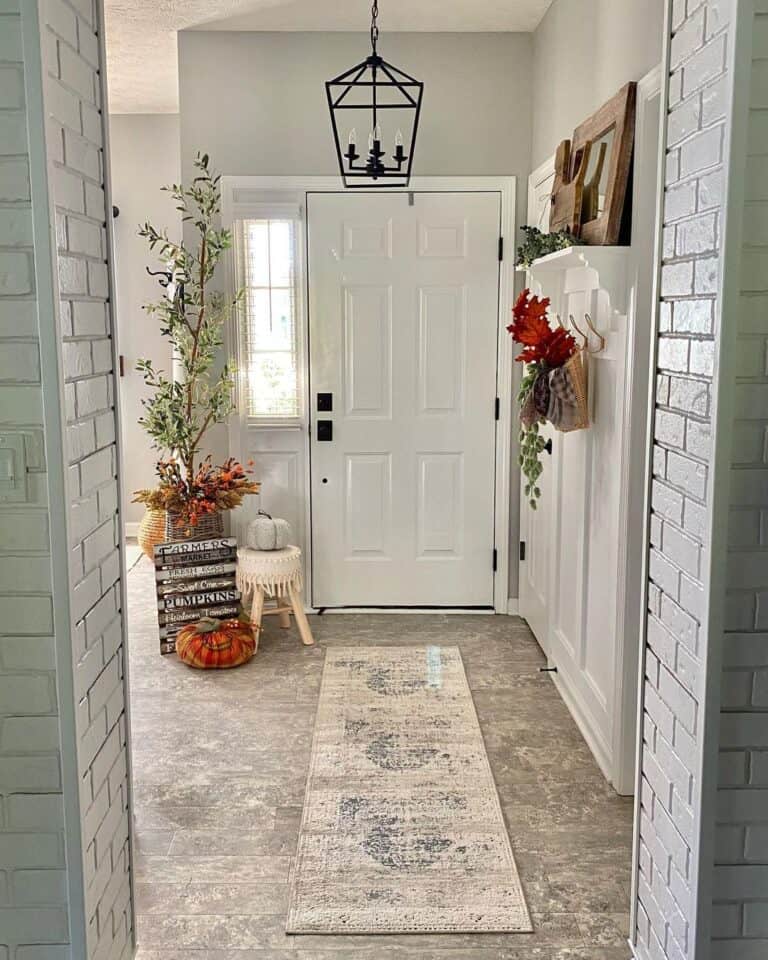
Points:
x=575 y=326
x=599 y=335
x=560 y=321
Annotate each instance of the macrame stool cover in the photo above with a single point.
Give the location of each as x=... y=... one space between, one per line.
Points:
x=273 y=570
x=273 y=573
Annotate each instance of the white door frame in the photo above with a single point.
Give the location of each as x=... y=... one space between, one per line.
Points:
x=240 y=192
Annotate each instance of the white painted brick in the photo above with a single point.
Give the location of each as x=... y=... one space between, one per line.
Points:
x=98 y=280
x=667 y=502
x=76 y=73
x=678 y=700
x=677 y=279
x=663 y=573
x=99 y=545
x=687 y=474
x=673 y=354
x=707 y=275
x=698 y=439
x=669 y=428
x=84 y=237
x=692 y=316
x=92 y=396
x=701 y=151
x=704 y=66
x=687 y=39
x=689 y=395
x=81 y=155
x=72 y=275
x=684 y=120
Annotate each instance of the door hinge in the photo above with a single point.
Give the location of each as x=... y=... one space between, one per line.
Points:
x=497 y=408
x=495 y=559
x=522 y=549
x=501 y=248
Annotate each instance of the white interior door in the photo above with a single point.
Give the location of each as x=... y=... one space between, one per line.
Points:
x=403 y=312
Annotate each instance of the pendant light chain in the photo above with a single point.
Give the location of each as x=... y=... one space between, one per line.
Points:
x=374 y=25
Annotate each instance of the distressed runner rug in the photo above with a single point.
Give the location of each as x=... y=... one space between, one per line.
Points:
x=402 y=830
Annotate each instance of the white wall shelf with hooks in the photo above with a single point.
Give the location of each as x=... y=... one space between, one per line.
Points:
x=553 y=275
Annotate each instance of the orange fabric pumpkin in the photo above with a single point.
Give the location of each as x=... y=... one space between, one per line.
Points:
x=210 y=644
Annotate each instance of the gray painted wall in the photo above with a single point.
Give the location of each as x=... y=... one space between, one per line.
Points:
x=256 y=101
x=145 y=157
x=583 y=52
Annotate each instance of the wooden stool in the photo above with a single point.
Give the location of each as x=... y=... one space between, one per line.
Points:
x=273 y=574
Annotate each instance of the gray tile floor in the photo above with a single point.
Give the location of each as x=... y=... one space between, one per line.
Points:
x=220 y=760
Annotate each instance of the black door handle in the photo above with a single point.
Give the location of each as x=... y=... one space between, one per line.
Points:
x=548 y=446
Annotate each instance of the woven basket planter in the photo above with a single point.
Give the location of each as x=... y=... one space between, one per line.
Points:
x=208 y=527
x=151 y=531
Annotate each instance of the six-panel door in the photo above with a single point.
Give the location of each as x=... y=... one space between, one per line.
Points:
x=403 y=313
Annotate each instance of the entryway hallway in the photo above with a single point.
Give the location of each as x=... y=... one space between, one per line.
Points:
x=220 y=761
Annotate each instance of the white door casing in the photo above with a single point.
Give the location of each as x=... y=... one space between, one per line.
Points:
x=535 y=525
x=403 y=313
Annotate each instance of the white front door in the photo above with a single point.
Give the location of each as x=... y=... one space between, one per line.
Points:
x=403 y=315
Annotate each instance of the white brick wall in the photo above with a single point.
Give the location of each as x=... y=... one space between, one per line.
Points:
x=33 y=892
x=675 y=643
x=73 y=97
x=741 y=860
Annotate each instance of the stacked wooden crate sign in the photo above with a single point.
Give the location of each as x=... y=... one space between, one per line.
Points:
x=195 y=579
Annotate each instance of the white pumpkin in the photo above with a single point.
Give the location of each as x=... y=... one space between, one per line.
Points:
x=268 y=533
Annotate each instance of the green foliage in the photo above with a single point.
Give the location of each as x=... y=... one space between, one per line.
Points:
x=531 y=442
x=179 y=412
x=537 y=244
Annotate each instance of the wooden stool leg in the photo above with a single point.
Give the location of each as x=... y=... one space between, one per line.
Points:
x=284 y=616
x=301 y=618
x=257 y=609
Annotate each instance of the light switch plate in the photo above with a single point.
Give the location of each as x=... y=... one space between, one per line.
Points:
x=13 y=468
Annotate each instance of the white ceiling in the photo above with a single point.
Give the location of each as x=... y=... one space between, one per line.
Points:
x=141 y=34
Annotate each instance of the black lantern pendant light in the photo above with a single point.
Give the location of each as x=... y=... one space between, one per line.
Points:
x=384 y=103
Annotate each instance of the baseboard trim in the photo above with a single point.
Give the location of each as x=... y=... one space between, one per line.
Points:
x=513 y=607
x=131 y=530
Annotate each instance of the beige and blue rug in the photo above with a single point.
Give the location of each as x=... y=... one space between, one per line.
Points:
x=402 y=830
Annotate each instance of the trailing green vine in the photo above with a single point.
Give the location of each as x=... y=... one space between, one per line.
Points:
x=532 y=443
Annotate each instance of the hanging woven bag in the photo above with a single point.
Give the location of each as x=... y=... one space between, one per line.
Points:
x=568 y=408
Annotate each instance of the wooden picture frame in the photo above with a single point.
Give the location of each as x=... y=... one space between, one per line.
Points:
x=614 y=120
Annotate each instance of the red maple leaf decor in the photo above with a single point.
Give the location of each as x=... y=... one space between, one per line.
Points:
x=531 y=328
